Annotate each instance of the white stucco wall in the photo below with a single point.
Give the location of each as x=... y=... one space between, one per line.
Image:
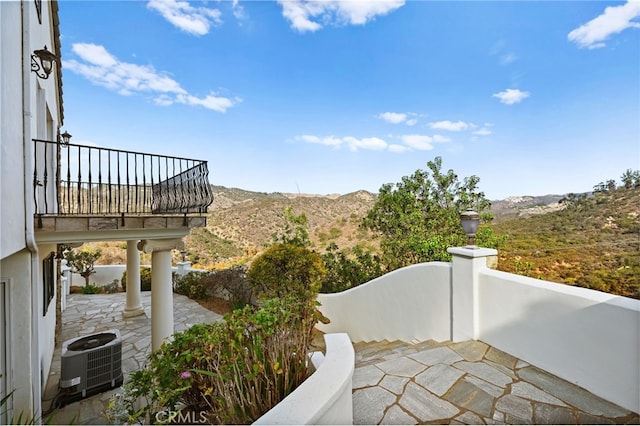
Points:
x=325 y=398
x=17 y=270
x=105 y=274
x=587 y=337
x=28 y=109
x=12 y=191
x=408 y=304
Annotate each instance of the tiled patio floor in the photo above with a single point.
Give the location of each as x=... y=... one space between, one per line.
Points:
x=394 y=383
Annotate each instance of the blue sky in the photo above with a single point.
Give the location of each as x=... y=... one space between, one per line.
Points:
x=534 y=97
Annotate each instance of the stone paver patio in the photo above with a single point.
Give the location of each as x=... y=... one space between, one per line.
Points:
x=467 y=383
x=393 y=383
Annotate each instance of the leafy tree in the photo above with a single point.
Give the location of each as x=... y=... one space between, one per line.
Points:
x=630 y=179
x=346 y=270
x=600 y=187
x=295 y=230
x=419 y=217
x=82 y=262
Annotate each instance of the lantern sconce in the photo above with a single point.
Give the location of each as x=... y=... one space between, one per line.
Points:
x=42 y=62
x=64 y=138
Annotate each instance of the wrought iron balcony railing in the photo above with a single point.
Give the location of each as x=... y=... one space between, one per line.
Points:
x=71 y=179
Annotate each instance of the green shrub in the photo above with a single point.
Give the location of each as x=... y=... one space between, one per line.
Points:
x=234 y=371
x=193 y=285
x=287 y=269
x=91 y=289
x=145 y=279
x=346 y=270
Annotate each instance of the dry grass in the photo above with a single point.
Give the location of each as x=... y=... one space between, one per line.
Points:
x=216 y=304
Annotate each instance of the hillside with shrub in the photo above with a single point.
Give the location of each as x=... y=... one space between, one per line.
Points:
x=591 y=240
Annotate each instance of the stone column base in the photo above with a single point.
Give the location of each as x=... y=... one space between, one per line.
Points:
x=134 y=312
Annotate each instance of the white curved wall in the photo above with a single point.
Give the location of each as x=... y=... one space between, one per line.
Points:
x=587 y=337
x=411 y=303
x=325 y=397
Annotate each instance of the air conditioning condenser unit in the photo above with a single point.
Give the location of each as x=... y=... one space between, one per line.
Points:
x=91 y=364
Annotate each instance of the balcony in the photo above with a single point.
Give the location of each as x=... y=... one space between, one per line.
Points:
x=101 y=188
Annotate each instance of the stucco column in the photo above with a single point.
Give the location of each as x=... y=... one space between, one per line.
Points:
x=467 y=262
x=133 y=306
x=161 y=287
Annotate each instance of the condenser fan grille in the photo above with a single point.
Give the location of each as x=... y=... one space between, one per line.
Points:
x=92 y=341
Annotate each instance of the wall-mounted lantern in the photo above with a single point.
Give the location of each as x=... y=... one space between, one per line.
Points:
x=64 y=138
x=42 y=62
x=470 y=220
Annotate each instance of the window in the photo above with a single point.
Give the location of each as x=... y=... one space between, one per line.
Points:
x=49 y=281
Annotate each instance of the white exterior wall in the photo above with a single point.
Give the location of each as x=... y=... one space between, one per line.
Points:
x=12 y=191
x=411 y=303
x=17 y=269
x=587 y=337
x=29 y=109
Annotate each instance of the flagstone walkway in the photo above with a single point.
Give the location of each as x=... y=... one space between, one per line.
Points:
x=467 y=383
x=393 y=383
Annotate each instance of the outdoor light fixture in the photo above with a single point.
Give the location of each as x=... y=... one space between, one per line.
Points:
x=470 y=220
x=183 y=253
x=64 y=138
x=42 y=62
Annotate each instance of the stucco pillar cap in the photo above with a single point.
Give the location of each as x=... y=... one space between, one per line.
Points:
x=472 y=251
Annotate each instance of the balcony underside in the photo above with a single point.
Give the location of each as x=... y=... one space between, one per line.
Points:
x=83 y=228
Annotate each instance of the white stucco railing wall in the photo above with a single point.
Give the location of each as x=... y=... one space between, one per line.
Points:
x=325 y=397
x=587 y=337
x=411 y=303
x=105 y=274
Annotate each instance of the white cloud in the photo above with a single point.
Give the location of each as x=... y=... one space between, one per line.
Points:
x=482 y=132
x=398 y=148
x=508 y=58
x=305 y=14
x=375 y=144
x=409 y=142
x=423 y=142
x=451 y=125
x=613 y=20
x=238 y=10
x=192 y=20
x=350 y=142
x=511 y=96
x=399 y=117
x=393 y=117
x=100 y=67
